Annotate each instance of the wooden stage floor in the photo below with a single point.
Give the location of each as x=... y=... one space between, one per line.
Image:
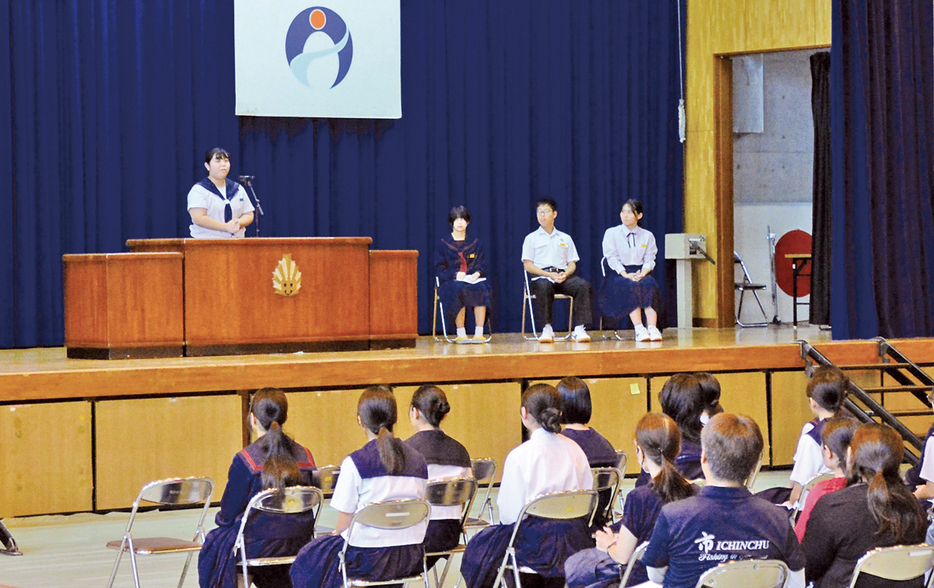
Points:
x=45 y=374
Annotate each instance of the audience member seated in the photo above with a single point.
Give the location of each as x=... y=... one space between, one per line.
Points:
x=462 y=269
x=547 y=462
x=835 y=439
x=658 y=442
x=724 y=521
x=710 y=390
x=273 y=460
x=876 y=510
x=920 y=477
x=826 y=391
x=682 y=399
x=446 y=458
x=383 y=469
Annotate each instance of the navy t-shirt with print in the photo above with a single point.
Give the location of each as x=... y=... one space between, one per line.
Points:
x=719 y=525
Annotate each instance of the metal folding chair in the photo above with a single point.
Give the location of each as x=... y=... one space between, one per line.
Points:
x=901 y=562
x=622 y=460
x=9 y=544
x=808 y=486
x=606 y=481
x=388 y=515
x=572 y=504
x=751 y=479
x=439 y=306
x=325 y=477
x=750 y=573
x=484 y=472
x=291 y=501
x=603 y=267
x=528 y=297
x=171 y=492
x=747 y=285
x=625 y=572
x=451 y=492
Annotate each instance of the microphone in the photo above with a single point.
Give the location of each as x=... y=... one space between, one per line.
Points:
x=246 y=180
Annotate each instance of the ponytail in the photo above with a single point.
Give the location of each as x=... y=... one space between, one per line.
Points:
x=660 y=441
x=271 y=408
x=377 y=411
x=877 y=452
x=670 y=484
x=544 y=404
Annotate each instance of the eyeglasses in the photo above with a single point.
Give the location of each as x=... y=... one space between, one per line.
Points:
x=544 y=212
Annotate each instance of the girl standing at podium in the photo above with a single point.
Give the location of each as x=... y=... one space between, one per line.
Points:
x=219 y=207
x=630 y=252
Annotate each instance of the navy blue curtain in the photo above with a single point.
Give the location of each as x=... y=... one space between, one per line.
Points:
x=882 y=120
x=114 y=103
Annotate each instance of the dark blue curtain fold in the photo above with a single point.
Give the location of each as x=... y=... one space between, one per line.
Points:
x=114 y=103
x=882 y=119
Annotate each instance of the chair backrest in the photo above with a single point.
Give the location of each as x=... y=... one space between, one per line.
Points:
x=569 y=504
x=805 y=490
x=293 y=500
x=625 y=572
x=902 y=562
x=452 y=492
x=622 y=460
x=389 y=515
x=751 y=479
x=325 y=477
x=747 y=279
x=484 y=472
x=176 y=492
x=751 y=573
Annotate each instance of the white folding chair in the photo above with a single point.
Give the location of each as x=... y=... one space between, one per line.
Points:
x=170 y=492
x=484 y=472
x=387 y=515
x=292 y=501
x=749 y=573
x=808 y=486
x=445 y=493
x=901 y=562
x=606 y=482
x=439 y=307
x=572 y=504
x=625 y=572
x=528 y=297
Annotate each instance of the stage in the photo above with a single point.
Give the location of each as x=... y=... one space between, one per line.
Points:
x=105 y=427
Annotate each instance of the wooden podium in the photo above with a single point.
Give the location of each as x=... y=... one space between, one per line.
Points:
x=273 y=295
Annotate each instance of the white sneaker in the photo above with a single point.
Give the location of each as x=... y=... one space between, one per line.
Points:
x=580 y=335
x=654 y=333
x=642 y=334
x=548 y=335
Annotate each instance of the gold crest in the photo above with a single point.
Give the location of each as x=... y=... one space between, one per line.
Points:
x=286 y=279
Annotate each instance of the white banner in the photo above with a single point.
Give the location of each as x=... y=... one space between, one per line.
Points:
x=318 y=58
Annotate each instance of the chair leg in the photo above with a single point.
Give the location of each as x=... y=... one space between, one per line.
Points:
x=181 y=581
x=113 y=572
x=133 y=565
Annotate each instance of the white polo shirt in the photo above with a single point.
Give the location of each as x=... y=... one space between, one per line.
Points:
x=554 y=250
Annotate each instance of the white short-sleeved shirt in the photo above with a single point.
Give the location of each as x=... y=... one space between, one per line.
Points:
x=620 y=249
x=443 y=472
x=201 y=197
x=554 y=250
x=927 y=466
x=809 y=459
x=353 y=492
x=545 y=463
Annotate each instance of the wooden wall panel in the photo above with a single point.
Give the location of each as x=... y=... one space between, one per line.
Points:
x=731 y=27
x=148 y=439
x=325 y=421
x=790 y=411
x=741 y=393
x=45 y=458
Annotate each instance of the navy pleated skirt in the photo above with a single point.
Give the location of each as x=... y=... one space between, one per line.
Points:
x=455 y=295
x=620 y=296
x=318 y=563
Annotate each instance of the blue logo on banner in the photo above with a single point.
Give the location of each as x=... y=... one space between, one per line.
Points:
x=313 y=57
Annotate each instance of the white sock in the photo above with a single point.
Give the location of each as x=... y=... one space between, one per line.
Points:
x=461 y=331
x=478 y=332
x=638 y=326
x=579 y=328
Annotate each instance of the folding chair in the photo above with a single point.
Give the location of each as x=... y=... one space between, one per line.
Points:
x=389 y=515
x=291 y=501
x=622 y=460
x=606 y=482
x=451 y=492
x=171 y=492
x=749 y=573
x=625 y=572
x=325 y=478
x=747 y=285
x=572 y=504
x=901 y=562
x=9 y=544
x=484 y=472
x=603 y=267
x=751 y=480
x=528 y=297
x=439 y=306
x=808 y=486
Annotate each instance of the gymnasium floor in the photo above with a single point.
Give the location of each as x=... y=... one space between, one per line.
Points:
x=68 y=551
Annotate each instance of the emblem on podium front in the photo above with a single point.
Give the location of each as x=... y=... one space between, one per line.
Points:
x=286 y=279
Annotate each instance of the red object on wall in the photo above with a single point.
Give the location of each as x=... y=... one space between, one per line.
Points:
x=792 y=242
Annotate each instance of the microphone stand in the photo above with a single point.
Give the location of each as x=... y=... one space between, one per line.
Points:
x=248 y=182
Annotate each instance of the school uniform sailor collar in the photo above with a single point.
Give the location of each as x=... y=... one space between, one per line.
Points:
x=231 y=188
